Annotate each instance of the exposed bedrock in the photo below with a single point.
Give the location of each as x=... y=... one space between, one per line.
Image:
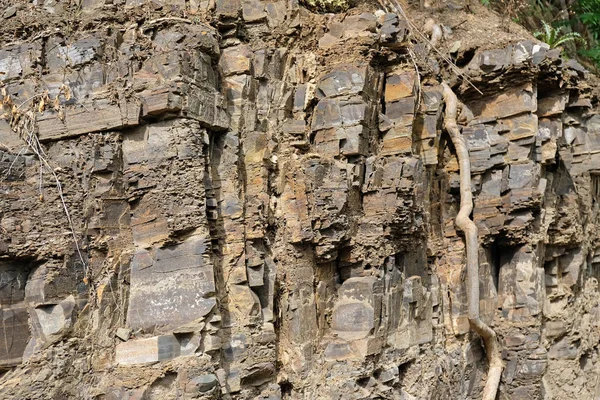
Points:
x=265 y=203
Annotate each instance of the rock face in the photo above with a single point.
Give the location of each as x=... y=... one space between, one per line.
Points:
x=266 y=210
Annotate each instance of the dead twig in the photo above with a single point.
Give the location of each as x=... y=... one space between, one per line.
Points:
x=34 y=144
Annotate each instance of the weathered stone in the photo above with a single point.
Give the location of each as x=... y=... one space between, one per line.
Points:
x=50 y=322
x=525 y=50
x=208 y=108
x=511 y=102
x=202 y=383
x=326 y=115
x=338 y=351
x=389 y=374
x=399 y=86
x=253 y=11
x=353 y=321
x=172 y=288
x=522 y=175
x=50 y=283
x=555 y=329
x=392 y=30
x=553 y=104
x=245 y=303
x=211 y=343
x=16 y=334
x=160 y=101
x=359 y=25
x=563 y=350
x=397 y=144
x=123 y=334
x=519 y=284
x=492 y=60
x=402 y=111
x=228 y=9
x=294 y=127
x=354 y=314
x=78 y=121
x=345 y=80
x=236 y=60
x=517 y=128
x=11 y=11
x=142 y=351
x=258 y=374
x=19 y=61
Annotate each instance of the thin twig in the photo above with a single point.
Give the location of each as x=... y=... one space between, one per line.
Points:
x=36 y=147
x=40 y=181
x=29 y=99
x=13 y=163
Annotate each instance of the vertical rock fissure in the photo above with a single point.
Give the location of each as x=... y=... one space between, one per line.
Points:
x=465 y=224
x=212 y=181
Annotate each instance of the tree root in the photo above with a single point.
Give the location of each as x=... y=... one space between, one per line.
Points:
x=465 y=224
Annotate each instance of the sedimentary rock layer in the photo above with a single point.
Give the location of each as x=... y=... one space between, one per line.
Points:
x=264 y=199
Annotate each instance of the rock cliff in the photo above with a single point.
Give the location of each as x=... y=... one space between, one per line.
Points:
x=244 y=199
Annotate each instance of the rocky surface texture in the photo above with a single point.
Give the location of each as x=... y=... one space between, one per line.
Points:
x=264 y=200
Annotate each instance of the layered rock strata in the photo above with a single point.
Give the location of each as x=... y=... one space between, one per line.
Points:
x=265 y=201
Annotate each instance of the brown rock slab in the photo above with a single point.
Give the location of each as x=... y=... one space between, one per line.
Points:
x=77 y=121
x=399 y=86
x=510 y=102
x=236 y=60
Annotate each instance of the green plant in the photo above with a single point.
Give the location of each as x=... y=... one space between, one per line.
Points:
x=554 y=37
x=588 y=12
x=593 y=55
x=326 y=5
x=587 y=20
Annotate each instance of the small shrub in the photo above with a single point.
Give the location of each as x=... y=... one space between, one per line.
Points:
x=588 y=12
x=326 y=5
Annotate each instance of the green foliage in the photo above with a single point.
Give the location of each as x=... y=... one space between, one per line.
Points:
x=554 y=37
x=572 y=24
x=588 y=12
x=592 y=53
x=326 y=5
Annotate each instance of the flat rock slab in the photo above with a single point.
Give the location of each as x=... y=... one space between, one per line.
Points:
x=142 y=351
x=172 y=288
x=511 y=102
x=16 y=335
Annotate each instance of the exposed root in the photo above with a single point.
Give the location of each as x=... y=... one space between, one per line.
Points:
x=464 y=223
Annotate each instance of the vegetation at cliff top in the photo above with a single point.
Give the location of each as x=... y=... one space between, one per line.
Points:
x=573 y=25
x=557 y=36
x=326 y=5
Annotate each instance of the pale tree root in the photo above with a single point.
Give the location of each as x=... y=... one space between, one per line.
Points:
x=465 y=224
